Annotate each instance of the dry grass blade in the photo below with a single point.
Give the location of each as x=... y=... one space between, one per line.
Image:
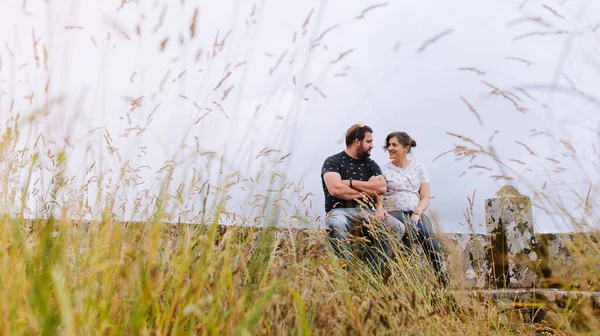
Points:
x=568 y=145
x=273 y=69
x=473 y=69
x=226 y=92
x=479 y=167
x=370 y=8
x=586 y=206
x=342 y=55
x=218 y=46
x=10 y=51
x=540 y=33
x=522 y=60
x=523 y=91
x=523 y=4
x=163 y=44
x=527 y=148
x=193 y=24
x=553 y=11
x=222 y=109
x=472 y=110
x=502 y=177
x=326 y=31
x=434 y=39
x=508 y=96
x=307 y=20
x=35 y=52
x=222 y=81
x=135 y=103
x=320 y=92
x=161 y=19
x=537 y=20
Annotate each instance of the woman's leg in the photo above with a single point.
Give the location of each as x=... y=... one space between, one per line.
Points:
x=422 y=233
x=411 y=236
x=432 y=248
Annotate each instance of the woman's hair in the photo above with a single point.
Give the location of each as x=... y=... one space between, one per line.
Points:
x=403 y=138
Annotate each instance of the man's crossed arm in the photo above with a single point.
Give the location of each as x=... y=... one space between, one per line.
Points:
x=376 y=186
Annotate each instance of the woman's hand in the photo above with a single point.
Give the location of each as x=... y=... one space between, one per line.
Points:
x=415 y=217
x=380 y=214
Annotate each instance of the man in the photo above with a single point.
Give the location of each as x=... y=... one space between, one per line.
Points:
x=353 y=187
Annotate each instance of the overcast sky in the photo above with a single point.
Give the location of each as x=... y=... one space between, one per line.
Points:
x=517 y=77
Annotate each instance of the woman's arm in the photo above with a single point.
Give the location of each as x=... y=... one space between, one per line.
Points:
x=425 y=193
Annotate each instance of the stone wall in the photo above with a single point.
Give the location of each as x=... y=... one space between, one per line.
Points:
x=509 y=255
x=512 y=255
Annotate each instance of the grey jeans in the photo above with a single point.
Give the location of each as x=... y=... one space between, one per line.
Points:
x=341 y=223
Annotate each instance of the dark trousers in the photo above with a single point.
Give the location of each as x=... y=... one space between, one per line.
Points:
x=422 y=233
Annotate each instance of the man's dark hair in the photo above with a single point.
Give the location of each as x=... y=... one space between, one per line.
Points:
x=357 y=131
x=403 y=138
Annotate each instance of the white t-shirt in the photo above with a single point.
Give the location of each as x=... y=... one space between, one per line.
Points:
x=403 y=185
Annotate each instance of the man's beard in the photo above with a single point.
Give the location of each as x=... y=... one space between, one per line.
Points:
x=364 y=155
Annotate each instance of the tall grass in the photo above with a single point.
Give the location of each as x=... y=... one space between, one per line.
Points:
x=110 y=277
x=107 y=276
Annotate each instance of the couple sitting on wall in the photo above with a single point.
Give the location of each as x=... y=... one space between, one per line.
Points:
x=357 y=192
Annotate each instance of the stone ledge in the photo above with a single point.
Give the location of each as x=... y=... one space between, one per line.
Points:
x=529 y=295
x=556 y=308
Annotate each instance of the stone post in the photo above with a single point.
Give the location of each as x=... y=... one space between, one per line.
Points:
x=514 y=253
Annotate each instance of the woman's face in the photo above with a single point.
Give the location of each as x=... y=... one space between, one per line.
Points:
x=396 y=150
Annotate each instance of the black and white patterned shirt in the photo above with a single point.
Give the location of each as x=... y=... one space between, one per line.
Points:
x=347 y=167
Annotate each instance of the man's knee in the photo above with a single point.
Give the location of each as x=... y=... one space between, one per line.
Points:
x=338 y=224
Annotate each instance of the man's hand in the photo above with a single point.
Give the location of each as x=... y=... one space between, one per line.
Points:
x=380 y=214
x=364 y=199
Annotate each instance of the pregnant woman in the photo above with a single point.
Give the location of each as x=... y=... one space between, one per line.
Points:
x=407 y=198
